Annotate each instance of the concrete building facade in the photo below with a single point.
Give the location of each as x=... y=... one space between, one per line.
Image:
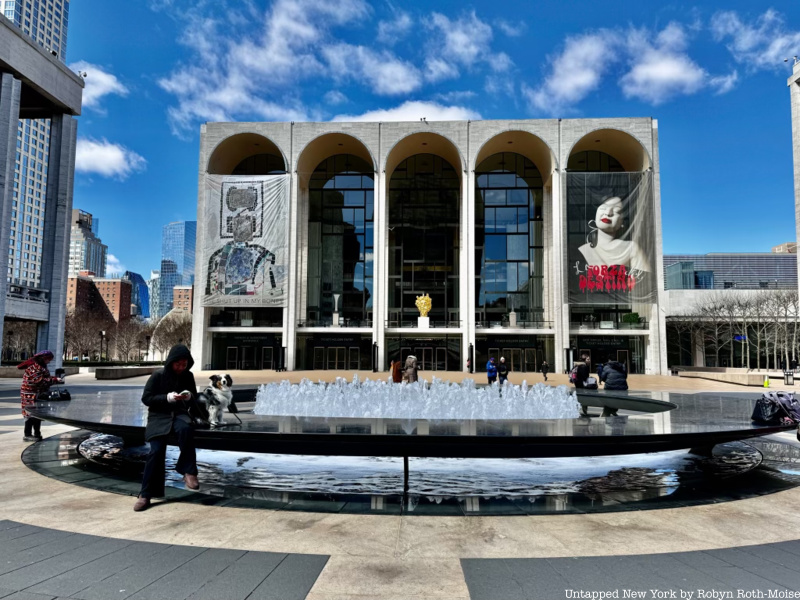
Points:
x=486 y=218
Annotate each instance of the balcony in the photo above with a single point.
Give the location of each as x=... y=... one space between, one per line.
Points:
x=343 y=322
x=504 y=324
x=219 y=321
x=591 y=325
x=412 y=323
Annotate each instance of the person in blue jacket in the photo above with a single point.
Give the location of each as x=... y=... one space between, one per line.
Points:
x=491 y=371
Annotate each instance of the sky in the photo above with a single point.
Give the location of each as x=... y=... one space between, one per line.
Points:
x=712 y=73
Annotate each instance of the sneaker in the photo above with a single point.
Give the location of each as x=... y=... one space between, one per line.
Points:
x=38 y=437
x=191 y=482
x=141 y=504
x=30 y=438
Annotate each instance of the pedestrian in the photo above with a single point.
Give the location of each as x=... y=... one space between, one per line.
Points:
x=35 y=381
x=545 y=369
x=502 y=370
x=615 y=376
x=410 y=372
x=469 y=365
x=599 y=370
x=169 y=395
x=491 y=371
x=582 y=371
x=397 y=371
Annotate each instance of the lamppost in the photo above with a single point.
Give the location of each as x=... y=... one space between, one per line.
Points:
x=102 y=337
x=147 y=346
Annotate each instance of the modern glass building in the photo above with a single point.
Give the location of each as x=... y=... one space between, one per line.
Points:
x=140 y=294
x=720 y=271
x=46 y=22
x=177 y=261
x=533 y=239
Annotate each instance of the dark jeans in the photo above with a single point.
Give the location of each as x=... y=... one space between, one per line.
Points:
x=155 y=468
x=491 y=379
x=33 y=426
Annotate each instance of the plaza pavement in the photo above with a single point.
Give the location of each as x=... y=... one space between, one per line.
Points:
x=726 y=547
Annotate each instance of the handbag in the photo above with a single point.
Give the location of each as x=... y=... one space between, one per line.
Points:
x=55 y=395
x=590 y=383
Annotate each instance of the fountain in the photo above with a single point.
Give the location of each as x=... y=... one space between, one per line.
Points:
x=441 y=400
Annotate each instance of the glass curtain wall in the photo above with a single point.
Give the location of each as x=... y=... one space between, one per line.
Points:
x=509 y=245
x=260 y=164
x=340 y=242
x=424 y=205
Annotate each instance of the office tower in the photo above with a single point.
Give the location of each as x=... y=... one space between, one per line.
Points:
x=154 y=291
x=177 y=261
x=46 y=22
x=87 y=252
x=140 y=295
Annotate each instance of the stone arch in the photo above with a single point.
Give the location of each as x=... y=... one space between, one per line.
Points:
x=524 y=143
x=424 y=142
x=234 y=149
x=325 y=146
x=624 y=147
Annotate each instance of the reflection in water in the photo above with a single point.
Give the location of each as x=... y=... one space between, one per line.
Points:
x=644 y=475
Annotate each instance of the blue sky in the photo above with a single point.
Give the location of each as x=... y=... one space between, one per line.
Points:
x=712 y=74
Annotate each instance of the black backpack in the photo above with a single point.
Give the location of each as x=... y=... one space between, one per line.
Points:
x=776 y=408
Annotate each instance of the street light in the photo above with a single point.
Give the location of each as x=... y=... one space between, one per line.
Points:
x=102 y=337
x=147 y=346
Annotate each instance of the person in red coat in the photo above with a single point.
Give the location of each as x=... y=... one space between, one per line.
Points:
x=35 y=381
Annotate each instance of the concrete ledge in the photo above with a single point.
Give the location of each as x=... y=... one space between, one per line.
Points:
x=743 y=378
x=122 y=372
x=15 y=373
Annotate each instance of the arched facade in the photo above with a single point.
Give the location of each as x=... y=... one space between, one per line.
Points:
x=380 y=214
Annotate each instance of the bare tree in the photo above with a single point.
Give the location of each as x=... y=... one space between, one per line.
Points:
x=128 y=337
x=82 y=329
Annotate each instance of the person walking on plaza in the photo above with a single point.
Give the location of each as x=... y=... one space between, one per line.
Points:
x=168 y=395
x=545 y=369
x=35 y=381
x=502 y=370
x=410 y=373
x=491 y=371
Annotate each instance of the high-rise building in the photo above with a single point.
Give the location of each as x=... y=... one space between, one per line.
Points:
x=177 y=261
x=46 y=22
x=154 y=291
x=87 y=252
x=140 y=295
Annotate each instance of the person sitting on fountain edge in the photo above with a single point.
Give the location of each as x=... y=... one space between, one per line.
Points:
x=168 y=395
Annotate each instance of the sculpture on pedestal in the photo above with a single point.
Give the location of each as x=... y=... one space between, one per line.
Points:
x=423 y=305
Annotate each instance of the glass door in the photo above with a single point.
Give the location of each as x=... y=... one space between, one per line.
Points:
x=247 y=358
x=530 y=360
x=513 y=358
x=424 y=358
x=354 y=358
x=319 y=358
x=266 y=357
x=624 y=358
x=232 y=358
x=337 y=357
x=441 y=359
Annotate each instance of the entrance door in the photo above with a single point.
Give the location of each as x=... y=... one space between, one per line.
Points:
x=530 y=360
x=232 y=358
x=266 y=357
x=337 y=357
x=624 y=358
x=354 y=358
x=247 y=358
x=513 y=358
x=424 y=358
x=319 y=358
x=441 y=359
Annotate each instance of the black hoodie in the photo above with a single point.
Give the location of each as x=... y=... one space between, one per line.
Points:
x=161 y=412
x=615 y=376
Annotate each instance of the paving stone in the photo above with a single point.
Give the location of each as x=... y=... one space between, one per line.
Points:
x=491 y=579
x=45 y=536
x=79 y=578
x=292 y=579
x=241 y=578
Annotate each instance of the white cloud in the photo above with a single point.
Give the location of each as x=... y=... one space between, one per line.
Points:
x=107 y=159
x=114 y=266
x=386 y=74
x=576 y=72
x=462 y=40
x=390 y=32
x=335 y=97
x=456 y=96
x=414 y=111
x=437 y=69
x=98 y=83
x=661 y=69
x=511 y=29
x=762 y=43
x=724 y=83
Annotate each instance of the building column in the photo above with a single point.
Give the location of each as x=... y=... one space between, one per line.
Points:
x=9 y=117
x=55 y=246
x=379 y=261
x=290 y=312
x=558 y=289
x=466 y=303
x=794 y=95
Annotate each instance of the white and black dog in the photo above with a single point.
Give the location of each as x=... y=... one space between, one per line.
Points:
x=217 y=398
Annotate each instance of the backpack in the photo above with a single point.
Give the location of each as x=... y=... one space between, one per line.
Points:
x=776 y=408
x=573 y=374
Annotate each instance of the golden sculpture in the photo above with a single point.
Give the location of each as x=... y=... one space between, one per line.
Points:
x=423 y=305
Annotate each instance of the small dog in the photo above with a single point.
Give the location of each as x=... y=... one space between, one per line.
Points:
x=217 y=398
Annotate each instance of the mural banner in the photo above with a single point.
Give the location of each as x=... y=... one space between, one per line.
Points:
x=611 y=238
x=245 y=240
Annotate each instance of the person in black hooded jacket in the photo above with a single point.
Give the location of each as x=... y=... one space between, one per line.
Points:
x=168 y=413
x=615 y=376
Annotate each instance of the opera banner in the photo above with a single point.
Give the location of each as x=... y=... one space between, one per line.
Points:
x=611 y=238
x=245 y=240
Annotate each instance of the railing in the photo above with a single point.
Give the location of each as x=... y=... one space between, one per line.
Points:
x=343 y=322
x=504 y=324
x=609 y=325
x=217 y=322
x=411 y=323
x=26 y=293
